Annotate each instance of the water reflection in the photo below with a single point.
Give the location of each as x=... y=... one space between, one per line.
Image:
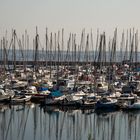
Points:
x=35 y=123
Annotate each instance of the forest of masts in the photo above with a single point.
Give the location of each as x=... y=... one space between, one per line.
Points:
x=90 y=49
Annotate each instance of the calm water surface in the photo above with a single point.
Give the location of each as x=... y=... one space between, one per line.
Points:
x=36 y=123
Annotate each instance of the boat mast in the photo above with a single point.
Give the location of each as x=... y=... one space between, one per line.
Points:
x=67 y=57
x=4 y=53
x=62 y=52
x=122 y=45
x=36 y=49
x=99 y=61
x=55 y=49
x=46 y=46
x=58 y=57
x=92 y=47
x=14 y=48
x=96 y=49
x=136 y=48
x=131 y=49
x=50 y=58
x=104 y=49
x=80 y=48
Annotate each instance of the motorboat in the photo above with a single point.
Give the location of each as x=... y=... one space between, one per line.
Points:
x=106 y=103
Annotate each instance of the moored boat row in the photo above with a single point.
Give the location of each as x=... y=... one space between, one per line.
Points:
x=95 y=89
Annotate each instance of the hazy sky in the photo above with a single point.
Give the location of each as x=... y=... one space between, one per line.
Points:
x=72 y=15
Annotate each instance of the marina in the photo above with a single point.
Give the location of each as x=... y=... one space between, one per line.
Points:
x=69 y=70
x=70 y=94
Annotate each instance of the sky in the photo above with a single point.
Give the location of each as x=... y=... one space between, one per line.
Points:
x=72 y=15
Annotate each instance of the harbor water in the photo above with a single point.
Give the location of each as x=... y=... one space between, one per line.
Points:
x=24 y=122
